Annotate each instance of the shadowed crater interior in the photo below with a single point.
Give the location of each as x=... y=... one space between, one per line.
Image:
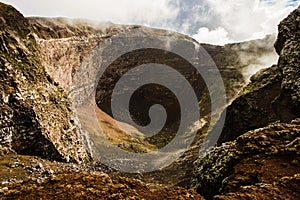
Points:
x=150 y=94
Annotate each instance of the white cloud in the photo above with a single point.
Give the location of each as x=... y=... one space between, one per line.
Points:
x=209 y=21
x=248 y=19
x=218 y=36
x=154 y=12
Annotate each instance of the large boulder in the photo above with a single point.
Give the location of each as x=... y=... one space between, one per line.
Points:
x=260 y=157
x=253 y=108
x=288 y=47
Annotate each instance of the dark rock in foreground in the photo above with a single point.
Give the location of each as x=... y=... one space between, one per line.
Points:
x=287 y=105
x=253 y=108
x=259 y=157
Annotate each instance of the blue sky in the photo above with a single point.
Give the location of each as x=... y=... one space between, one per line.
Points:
x=209 y=21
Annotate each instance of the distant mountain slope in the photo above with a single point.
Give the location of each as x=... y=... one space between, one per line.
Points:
x=64 y=44
x=237 y=62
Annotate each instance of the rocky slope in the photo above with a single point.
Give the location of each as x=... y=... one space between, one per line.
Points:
x=36 y=116
x=27 y=177
x=256 y=160
x=248 y=111
x=287 y=46
x=37 y=119
x=280 y=83
x=63 y=45
x=66 y=44
x=262 y=163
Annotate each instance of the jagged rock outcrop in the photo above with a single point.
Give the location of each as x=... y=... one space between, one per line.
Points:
x=261 y=163
x=253 y=108
x=287 y=105
x=263 y=102
x=35 y=114
x=285 y=188
x=259 y=157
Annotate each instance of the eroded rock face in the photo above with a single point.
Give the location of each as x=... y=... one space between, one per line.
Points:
x=263 y=156
x=288 y=47
x=253 y=108
x=35 y=116
x=64 y=44
x=64 y=53
x=273 y=94
x=284 y=188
